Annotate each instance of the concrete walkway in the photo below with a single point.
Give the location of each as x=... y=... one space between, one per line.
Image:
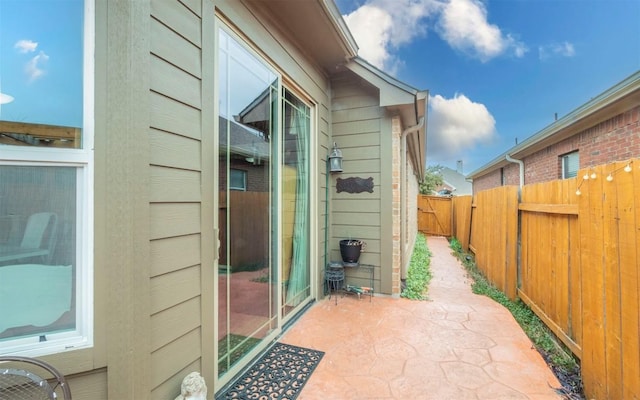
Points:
x=456 y=346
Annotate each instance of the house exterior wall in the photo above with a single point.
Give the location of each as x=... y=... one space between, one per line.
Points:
x=615 y=139
x=507 y=175
x=177 y=213
x=487 y=181
x=155 y=184
x=356 y=123
x=156 y=171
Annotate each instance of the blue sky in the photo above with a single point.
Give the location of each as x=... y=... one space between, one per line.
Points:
x=497 y=71
x=41 y=61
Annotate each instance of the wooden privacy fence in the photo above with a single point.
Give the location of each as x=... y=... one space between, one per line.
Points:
x=550 y=258
x=434 y=215
x=494 y=236
x=461 y=219
x=573 y=258
x=244 y=223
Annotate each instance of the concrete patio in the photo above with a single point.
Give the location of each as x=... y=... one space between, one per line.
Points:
x=457 y=345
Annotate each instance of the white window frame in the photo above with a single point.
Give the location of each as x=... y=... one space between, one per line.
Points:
x=83 y=160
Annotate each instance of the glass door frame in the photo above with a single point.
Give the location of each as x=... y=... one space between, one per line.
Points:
x=276 y=178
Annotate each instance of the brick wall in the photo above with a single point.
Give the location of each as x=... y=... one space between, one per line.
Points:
x=615 y=139
x=488 y=181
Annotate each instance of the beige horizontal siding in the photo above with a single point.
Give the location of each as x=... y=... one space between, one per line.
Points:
x=174 y=322
x=169 y=150
x=357 y=119
x=363 y=113
x=172 y=116
x=175 y=253
x=364 y=167
x=171 y=289
x=92 y=385
x=181 y=19
x=170 y=388
x=363 y=130
x=194 y=5
x=169 y=220
x=352 y=218
x=174 y=185
x=356 y=231
x=369 y=206
x=363 y=152
x=183 y=351
x=174 y=82
x=172 y=48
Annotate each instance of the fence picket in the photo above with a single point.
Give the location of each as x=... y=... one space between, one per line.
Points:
x=578 y=266
x=628 y=185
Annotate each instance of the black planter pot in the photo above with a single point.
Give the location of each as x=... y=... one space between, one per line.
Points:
x=350 y=251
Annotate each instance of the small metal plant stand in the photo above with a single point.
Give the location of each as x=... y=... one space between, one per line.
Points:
x=334 y=277
x=361 y=290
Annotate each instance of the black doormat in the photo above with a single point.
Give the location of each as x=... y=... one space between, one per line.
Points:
x=280 y=374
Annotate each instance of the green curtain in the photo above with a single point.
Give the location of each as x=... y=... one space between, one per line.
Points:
x=299 y=277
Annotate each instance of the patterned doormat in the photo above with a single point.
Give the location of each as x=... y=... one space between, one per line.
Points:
x=280 y=374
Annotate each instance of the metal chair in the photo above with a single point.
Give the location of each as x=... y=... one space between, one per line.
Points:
x=20 y=380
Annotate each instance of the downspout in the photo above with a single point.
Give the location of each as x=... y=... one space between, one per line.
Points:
x=326 y=226
x=403 y=192
x=519 y=228
x=521 y=163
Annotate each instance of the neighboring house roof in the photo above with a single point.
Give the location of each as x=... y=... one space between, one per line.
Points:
x=456 y=181
x=245 y=141
x=611 y=102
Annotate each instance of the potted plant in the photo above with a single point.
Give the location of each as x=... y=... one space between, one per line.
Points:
x=350 y=250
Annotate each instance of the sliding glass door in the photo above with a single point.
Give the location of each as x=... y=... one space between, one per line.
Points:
x=247 y=276
x=295 y=202
x=264 y=134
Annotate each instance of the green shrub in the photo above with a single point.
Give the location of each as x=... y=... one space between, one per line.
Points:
x=419 y=273
x=561 y=360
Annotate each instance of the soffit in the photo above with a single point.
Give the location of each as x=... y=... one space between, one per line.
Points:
x=316 y=26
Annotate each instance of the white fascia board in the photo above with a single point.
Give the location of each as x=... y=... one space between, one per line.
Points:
x=341 y=27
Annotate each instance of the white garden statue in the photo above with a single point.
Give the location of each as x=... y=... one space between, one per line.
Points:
x=193 y=388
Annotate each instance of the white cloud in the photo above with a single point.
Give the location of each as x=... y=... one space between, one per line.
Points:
x=456 y=125
x=5 y=98
x=26 y=46
x=371 y=28
x=464 y=25
x=33 y=68
x=381 y=26
x=564 y=49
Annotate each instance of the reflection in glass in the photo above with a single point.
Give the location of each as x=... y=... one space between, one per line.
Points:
x=41 y=73
x=37 y=250
x=247 y=288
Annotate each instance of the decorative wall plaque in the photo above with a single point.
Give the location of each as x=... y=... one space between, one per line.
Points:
x=355 y=185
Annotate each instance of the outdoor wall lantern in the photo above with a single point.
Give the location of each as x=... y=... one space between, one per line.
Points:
x=335 y=159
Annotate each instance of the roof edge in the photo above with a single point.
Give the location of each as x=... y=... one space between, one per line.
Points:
x=384 y=76
x=604 y=99
x=341 y=27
